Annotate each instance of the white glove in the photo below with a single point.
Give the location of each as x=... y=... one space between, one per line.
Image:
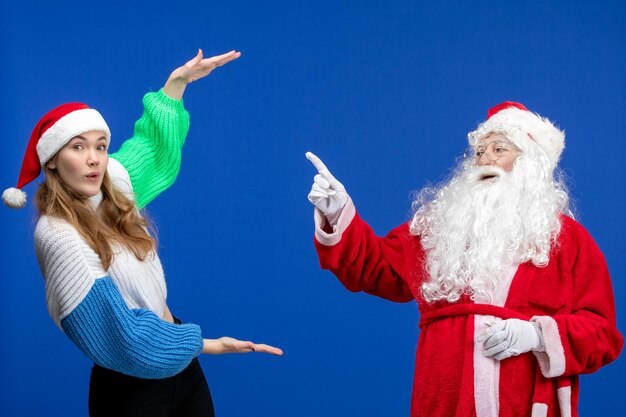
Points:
x=506 y=338
x=327 y=194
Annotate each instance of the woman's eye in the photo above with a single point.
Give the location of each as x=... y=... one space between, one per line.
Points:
x=77 y=147
x=102 y=148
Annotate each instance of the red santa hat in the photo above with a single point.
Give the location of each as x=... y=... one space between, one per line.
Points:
x=52 y=132
x=519 y=124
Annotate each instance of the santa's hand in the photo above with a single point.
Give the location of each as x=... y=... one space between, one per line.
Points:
x=327 y=194
x=512 y=337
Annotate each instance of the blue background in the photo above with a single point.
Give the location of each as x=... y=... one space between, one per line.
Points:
x=383 y=92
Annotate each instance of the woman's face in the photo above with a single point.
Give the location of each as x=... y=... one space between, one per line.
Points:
x=82 y=162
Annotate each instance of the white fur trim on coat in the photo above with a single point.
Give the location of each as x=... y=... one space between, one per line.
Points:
x=564 y=394
x=345 y=218
x=552 y=361
x=539 y=410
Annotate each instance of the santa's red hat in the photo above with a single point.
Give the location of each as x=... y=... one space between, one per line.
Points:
x=519 y=124
x=52 y=132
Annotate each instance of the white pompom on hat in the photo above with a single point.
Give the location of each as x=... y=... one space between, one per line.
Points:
x=517 y=123
x=53 y=131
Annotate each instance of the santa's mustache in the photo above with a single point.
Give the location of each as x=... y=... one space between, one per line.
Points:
x=482 y=173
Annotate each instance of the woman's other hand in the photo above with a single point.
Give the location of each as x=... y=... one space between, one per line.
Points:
x=231 y=345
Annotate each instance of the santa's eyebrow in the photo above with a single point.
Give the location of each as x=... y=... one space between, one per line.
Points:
x=504 y=141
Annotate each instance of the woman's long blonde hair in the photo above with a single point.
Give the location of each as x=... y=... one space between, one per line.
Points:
x=117 y=221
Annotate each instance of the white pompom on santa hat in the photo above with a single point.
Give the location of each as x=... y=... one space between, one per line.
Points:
x=518 y=123
x=52 y=132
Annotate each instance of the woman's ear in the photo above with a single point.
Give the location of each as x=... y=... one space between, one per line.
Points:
x=52 y=164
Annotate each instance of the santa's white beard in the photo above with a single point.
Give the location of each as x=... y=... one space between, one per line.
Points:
x=473 y=229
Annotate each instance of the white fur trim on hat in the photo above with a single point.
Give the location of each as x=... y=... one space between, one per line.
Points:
x=513 y=121
x=14 y=197
x=69 y=126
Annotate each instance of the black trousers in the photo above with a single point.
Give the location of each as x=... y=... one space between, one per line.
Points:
x=113 y=394
x=184 y=395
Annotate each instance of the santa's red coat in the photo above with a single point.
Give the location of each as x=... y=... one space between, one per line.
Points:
x=571 y=299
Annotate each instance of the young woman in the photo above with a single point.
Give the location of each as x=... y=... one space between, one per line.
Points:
x=105 y=287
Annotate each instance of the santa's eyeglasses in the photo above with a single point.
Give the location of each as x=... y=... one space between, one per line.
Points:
x=493 y=150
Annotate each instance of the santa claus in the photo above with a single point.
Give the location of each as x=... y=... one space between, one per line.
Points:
x=514 y=295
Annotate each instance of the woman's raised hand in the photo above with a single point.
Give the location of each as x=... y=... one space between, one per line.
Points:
x=193 y=70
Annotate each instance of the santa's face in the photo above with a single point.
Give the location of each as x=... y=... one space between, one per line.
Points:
x=496 y=149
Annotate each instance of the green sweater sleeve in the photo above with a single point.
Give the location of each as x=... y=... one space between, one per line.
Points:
x=152 y=156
